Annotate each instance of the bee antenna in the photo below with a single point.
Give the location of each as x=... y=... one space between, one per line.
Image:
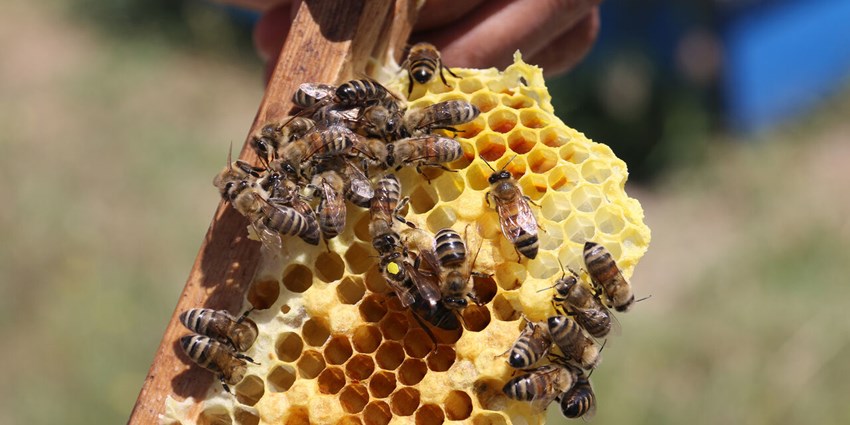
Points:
x=509 y=161
x=488 y=164
x=547 y=288
x=644 y=298
x=230 y=157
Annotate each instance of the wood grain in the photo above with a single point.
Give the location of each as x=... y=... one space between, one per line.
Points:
x=330 y=41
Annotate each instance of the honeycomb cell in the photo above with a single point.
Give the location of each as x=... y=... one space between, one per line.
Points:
x=554 y=136
x=470 y=129
x=442 y=216
x=469 y=85
x=515 y=164
x=468 y=151
x=517 y=101
x=449 y=187
x=586 y=198
x=458 y=406
x=394 y=304
x=502 y=121
x=579 y=228
x=329 y=267
x=315 y=333
x=552 y=239
x=375 y=282
x=311 y=364
x=394 y=326
x=338 y=350
x=288 y=346
x=372 y=308
x=521 y=141
x=250 y=390
x=573 y=153
x=490 y=146
x=350 y=420
x=404 y=401
x=281 y=378
x=489 y=419
x=477 y=177
x=476 y=318
x=555 y=206
x=542 y=160
x=244 y=417
x=417 y=344
x=361 y=229
x=298 y=415
x=331 y=380
x=595 y=171
x=489 y=394
x=484 y=288
x=510 y=275
x=441 y=359
x=353 y=398
x=429 y=414
x=412 y=371
x=382 y=384
x=359 y=258
x=534 y=118
x=534 y=186
x=377 y=413
x=389 y=355
x=545 y=265
x=350 y=290
x=564 y=178
x=366 y=339
x=504 y=310
x=297 y=278
x=360 y=367
x=609 y=219
x=485 y=102
x=423 y=199
x=264 y=293
x=214 y=415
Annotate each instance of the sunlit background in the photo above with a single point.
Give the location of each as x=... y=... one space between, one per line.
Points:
x=732 y=115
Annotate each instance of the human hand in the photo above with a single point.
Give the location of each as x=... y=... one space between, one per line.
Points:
x=554 y=34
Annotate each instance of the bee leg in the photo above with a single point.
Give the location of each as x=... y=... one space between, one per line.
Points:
x=397 y=213
x=244 y=315
x=530 y=201
x=487 y=198
x=244 y=357
x=224 y=384
x=442 y=68
x=518 y=255
x=427 y=330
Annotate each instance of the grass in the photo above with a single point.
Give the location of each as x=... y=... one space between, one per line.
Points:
x=109 y=146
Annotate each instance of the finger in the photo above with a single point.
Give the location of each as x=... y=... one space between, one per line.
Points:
x=437 y=13
x=566 y=51
x=490 y=35
x=271 y=30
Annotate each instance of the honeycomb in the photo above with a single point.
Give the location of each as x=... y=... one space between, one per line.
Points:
x=335 y=347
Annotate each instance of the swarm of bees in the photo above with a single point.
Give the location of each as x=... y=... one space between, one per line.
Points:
x=344 y=143
x=582 y=319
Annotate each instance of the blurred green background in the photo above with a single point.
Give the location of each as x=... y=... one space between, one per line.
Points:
x=114 y=116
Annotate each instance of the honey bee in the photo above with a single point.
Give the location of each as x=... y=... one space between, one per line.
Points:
x=417 y=290
x=384 y=208
x=442 y=115
x=310 y=94
x=568 y=335
x=330 y=141
x=515 y=217
x=383 y=120
x=374 y=151
x=584 y=305
x=221 y=326
x=532 y=344
x=606 y=276
x=358 y=189
x=541 y=385
x=331 y=209
x=455 y=268
x=363 y=92
x=430 y=150
x=579 y=401
x=421 y=63
x=239 y=184
x=278 y=219
x=216 y=357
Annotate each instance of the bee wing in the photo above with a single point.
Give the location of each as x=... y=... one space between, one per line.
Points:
x=317 y=91
x=428 y=285
x=514 y=225
x=268 y=237
x=404 y=294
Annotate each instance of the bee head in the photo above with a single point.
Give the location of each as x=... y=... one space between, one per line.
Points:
x=499 y=176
